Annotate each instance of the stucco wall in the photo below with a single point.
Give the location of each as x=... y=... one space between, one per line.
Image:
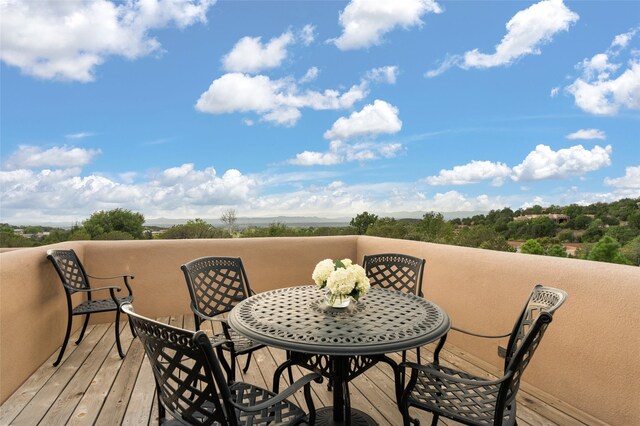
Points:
x=33 y=313
x=588 y=358
x=589 y=355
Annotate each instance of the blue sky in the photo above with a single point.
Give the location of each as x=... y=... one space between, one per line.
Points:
x=183 y=109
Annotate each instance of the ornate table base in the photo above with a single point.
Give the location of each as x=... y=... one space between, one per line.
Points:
x=324 y=417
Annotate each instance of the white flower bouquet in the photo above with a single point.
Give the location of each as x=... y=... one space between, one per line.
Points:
x=342 y=278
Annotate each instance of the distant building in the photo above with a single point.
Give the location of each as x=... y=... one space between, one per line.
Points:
x=557 y=218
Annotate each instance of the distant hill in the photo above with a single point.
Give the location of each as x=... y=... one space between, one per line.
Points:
x=302 y=221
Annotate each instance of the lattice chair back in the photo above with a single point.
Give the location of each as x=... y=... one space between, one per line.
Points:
x=70 y=270
x=397 y=272
x=216 y=284
x=528 y=331
x=187 y=373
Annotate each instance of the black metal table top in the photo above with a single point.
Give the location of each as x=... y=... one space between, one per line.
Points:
x=297 y=319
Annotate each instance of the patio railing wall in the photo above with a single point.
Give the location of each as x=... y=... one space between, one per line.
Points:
x=587 y=359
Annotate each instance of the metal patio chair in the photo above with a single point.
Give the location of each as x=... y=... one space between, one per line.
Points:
x=396 y=272
x=192 y=388
x=393 y=271
x=75 y=280
x=216 y=284
x=474 y=400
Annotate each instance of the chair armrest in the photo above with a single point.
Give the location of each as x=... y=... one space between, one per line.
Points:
x=89 y=290
x=125 y=277
x=448 y=377
x=206 y=317
x=110 y=278
x=484 y=336
x=303 y=381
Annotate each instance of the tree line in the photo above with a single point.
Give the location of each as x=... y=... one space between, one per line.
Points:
x=607 y=232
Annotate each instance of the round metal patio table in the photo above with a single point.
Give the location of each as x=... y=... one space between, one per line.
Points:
x=341 y=343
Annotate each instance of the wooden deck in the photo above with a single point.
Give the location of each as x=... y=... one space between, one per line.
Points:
x=93 y=386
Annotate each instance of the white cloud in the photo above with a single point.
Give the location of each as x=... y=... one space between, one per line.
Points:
x=31 y=157
x=387 y=74
x=67 y=40
x=622 y=40
x=250 y=55
x=587 y=134
x=365 y=22
x=606 y=97
x=544 y=163
x=176 y=192
x=472 y=172
x=310 y=75
x=307 y=34
x=79 y=135
x=312 y=158
x=554 y=92
x=541 y=163
x=630 y=180
x=379 y=117
x=277 y=101
x=342 y=152
x=527 y=30
x=598 y=91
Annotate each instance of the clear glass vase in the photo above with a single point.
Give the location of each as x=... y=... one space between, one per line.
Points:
x=336 y=300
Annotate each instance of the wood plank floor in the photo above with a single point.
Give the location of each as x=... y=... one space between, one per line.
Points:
x=93 y=386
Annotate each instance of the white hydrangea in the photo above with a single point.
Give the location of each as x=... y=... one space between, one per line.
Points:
x=342 y=281
x=322 y=272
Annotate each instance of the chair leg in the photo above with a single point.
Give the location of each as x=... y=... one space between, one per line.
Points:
x=246 y=365
x=133 y=331
x=84 y=327
x=66 y=340
x=434 y=422
x=118 y=334
x=232 y=375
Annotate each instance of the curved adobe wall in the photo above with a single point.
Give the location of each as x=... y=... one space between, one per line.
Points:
x=589 y=355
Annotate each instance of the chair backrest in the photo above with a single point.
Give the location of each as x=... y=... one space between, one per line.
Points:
x=70 y=270
x=216 y=284
x=394 y=271
x=528 y=331
x=187 y=373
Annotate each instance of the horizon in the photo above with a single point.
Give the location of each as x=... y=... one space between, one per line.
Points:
x=184 y=110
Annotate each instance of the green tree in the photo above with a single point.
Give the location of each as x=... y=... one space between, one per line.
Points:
x=193 y=229
x=633 y=220
x=556 y=250
x=542 y=227
x=532 y=247
x=434 y=228
x=9 y=239
x=115 y=235
x=482 y=236
x=594 y=232
x=580 y=222
x=363 y=221
x=607 y=250
x=567 y=236
x=631 y=251
x=79 y=234
x=103 y=222
x=622 y=234
x=387 y=227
